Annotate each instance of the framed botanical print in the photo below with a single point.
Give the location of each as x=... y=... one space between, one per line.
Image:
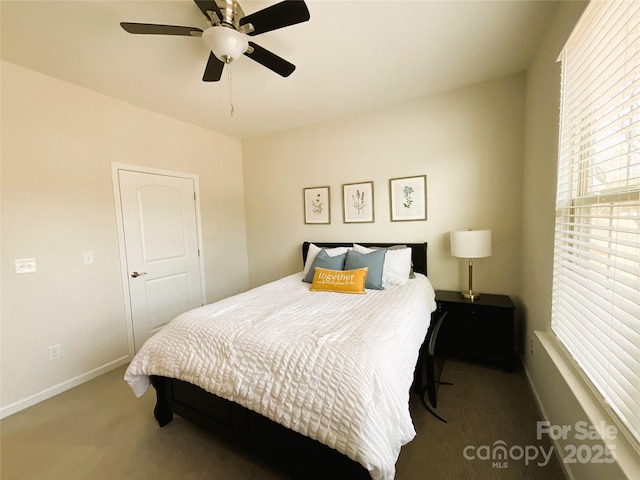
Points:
x=357 y=201
x=316 y=205
x=408 y=197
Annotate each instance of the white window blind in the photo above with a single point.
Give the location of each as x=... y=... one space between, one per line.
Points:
x=596 y=274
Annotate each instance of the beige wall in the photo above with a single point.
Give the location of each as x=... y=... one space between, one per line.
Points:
x=470 y=144
x=58 y=143
x=564 y=397
x=543 y=107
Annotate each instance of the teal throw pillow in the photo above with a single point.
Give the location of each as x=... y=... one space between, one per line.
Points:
x=373 y=260
x=323 y=260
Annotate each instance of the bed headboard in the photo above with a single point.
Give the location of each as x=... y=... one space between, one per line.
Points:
x=418 y=251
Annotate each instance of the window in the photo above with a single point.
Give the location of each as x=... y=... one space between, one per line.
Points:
x=596 y=274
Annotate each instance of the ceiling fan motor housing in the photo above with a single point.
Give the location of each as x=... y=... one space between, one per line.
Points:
x=231 y=12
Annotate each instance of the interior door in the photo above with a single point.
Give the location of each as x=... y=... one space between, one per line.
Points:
x=161 y=241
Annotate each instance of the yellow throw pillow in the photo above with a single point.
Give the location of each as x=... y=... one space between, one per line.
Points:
x=342 y=281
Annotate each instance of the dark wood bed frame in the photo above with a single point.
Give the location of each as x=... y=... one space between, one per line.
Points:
x=299 y=455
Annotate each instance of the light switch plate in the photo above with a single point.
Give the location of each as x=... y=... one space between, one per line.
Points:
x=88 y=257
x=25 y=265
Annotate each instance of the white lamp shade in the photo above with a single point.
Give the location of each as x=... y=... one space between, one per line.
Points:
x=225 y=43
x=471 y=243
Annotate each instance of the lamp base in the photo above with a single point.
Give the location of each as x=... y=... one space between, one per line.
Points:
x=470 y=295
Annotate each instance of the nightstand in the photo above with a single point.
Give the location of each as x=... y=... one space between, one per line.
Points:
x=481 y=329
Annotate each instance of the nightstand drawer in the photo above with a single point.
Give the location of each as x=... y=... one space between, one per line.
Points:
x=481 y=329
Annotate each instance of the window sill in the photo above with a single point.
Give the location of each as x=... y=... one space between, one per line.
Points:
x=626 y=449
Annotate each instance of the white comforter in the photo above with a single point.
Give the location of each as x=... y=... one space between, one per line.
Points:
x=332 y=366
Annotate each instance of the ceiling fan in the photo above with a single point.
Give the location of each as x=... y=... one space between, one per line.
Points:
x=227 y=36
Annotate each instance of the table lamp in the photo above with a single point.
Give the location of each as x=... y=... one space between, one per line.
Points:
x=471 y=244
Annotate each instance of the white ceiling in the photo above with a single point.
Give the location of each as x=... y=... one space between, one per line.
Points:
x=352 y=56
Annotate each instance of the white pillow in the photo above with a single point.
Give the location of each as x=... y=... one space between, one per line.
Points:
x=397 y=265
x=314 y=250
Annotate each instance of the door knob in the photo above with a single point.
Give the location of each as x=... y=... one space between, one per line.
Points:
x=137 y=274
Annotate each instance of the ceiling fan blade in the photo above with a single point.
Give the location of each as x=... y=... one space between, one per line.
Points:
x=283 y=14
x=270 y=60
x=213 y=70
x=153 y=29
x=209 y=5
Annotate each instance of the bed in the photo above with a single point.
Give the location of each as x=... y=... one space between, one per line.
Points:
x=317 y=382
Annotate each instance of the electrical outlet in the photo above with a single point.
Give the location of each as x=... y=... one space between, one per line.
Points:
x=55 y=352
x=531 y=343
x=25 y=265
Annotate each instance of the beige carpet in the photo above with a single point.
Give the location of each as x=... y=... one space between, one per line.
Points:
x=99 y=430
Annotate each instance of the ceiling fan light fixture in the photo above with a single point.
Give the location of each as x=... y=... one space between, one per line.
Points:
x=225 y=43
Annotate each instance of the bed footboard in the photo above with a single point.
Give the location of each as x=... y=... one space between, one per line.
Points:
x=290 y=450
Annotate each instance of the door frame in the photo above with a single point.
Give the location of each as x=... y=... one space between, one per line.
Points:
x=124 y=272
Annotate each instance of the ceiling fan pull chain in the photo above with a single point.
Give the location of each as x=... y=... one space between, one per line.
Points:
x=230 y=89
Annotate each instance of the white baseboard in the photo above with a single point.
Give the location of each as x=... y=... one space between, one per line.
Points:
x=556 y=446
x=62 y=387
